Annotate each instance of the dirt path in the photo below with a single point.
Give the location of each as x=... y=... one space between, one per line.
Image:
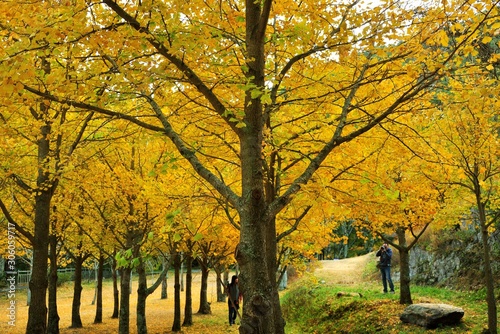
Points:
x=345 y=271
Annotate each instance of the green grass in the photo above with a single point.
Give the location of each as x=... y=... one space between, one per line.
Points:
x=312 y=307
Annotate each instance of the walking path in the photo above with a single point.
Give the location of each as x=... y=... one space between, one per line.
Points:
x=345 y=271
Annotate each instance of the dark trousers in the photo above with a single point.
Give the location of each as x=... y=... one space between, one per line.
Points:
x=386 y=277
x=232 y=312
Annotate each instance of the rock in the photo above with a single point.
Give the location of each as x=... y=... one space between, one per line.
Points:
x=348 y=294
x=432 y=315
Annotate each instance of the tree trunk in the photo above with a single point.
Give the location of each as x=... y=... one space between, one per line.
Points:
x=53 y=320
x=204 y=305
x=45 y=187
x=404 y=267
x=272 y=268
x=176 y=326
x=283 y=278
x=76 y=320
x=488 y=274
x=100 y=276
x=182 y=273
x=142 y=295
x=221 y=296
x=256 y=253
x=116 y=293
x=123 y=323
x=490 y=287
x=37 y=313
x=164 y=293
x=188 y=306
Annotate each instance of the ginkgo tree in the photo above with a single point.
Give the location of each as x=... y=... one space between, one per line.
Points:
x=394 y=197
x=318 y=74
x=123 y=191
x=46 y=139
x=465 y=133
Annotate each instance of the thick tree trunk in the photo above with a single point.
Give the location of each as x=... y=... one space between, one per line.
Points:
x=188 y=306
x=142 y=295
x=256 y=253
x=259 y=289
x=176 y=326
x=204 y=305
x=116 y=293
x=100 y=276
x=272 y=268
x=76 y=320
x=53 y=320
x=404 y=267
x=123 y=322
x=37 y=313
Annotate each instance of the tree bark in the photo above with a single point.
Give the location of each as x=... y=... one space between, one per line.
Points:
x=221 y=296
x=142 y=295
x=205 y=270
x=188 y=306
x=404 y=267
x=100 y=276
x=164 y=293
x=123 y=322
x=488 y=274
x=76 y=320
x=256 y=253
x=176 y=326
x=490 y=287
x=116 y=293
x=53 y=320
x=37 y=313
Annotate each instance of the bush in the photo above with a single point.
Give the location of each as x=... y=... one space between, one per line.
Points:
x=63 y=278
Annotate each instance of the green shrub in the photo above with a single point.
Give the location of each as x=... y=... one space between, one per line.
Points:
x=63 y=278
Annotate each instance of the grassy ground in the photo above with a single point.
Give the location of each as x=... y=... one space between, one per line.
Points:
x=159 y=311
x=310 y=305
x=313 y=307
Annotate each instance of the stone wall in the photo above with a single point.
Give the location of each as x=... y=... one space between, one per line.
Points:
x=453 y=262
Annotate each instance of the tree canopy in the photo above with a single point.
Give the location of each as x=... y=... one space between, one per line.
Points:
x=273 y=105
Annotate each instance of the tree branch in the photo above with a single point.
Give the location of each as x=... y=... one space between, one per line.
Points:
x=295 y=225
x=191 y=76
x=11 y=220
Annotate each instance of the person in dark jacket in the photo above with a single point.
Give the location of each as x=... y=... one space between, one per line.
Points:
x=385 y=254
x=234 y=295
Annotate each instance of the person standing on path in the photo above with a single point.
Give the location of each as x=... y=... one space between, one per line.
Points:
x=234 y=295
x=385 y=254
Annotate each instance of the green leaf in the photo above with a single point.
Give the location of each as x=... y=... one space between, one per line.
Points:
x=241 y=125
x=266 y=98
x=364 y=181
x=128 y=253
x=255 y=93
